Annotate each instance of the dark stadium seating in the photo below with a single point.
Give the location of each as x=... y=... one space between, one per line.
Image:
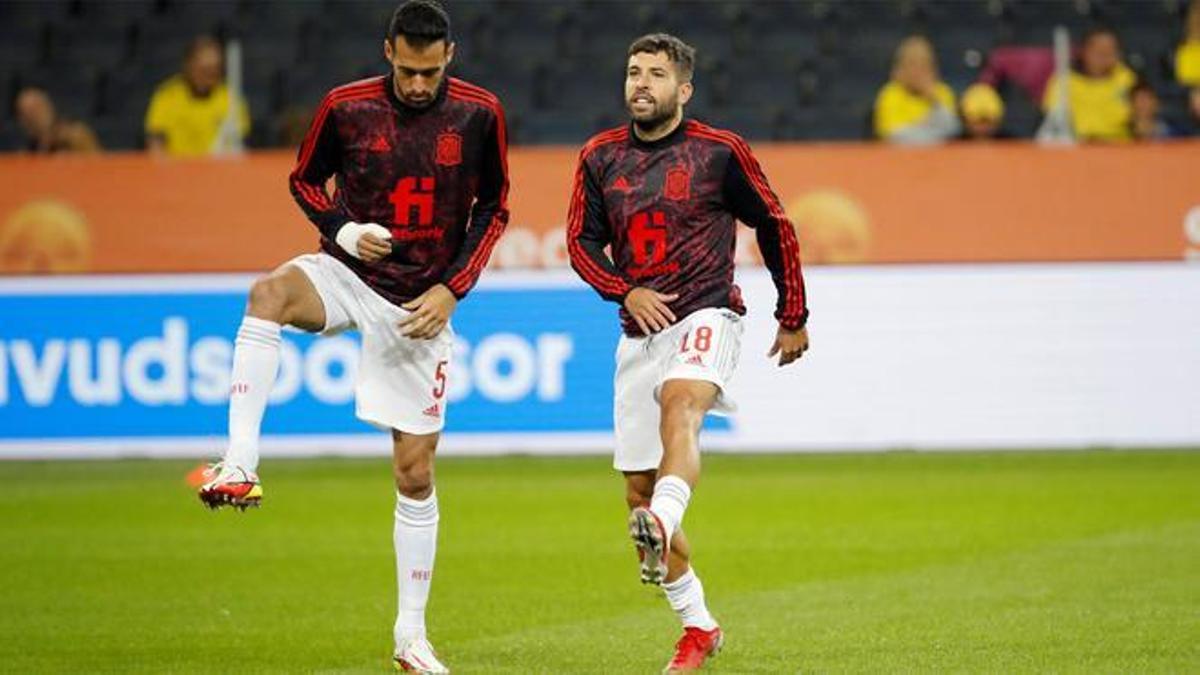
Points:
x=773 y=70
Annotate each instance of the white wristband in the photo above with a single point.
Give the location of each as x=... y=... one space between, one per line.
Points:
x=350 y=233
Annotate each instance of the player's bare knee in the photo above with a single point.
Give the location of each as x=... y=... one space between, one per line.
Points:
x=268 y=298
x=412 y=463
x=681 y=407
x=414 y=479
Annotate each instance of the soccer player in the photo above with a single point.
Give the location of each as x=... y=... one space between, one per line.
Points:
x=664 y=193
x=420 y=165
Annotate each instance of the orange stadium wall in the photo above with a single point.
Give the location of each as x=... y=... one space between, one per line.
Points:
x=853 y=203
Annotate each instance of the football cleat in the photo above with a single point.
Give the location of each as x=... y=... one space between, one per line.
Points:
x=649 y=537
x=417 y=656
x=231 y=486
x=694 y=648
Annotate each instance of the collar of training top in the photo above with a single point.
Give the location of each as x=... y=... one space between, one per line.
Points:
x=401 y=106
x=677 y=134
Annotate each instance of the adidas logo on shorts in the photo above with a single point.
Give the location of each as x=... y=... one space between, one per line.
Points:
x=695 y=360
x=434 y=410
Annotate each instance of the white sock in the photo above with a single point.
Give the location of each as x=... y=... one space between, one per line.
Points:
x=686 y=595
x=255 y=364
x=415 y=537
x=670 y=501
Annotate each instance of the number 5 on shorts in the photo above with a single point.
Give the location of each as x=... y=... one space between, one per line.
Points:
x=439 y=376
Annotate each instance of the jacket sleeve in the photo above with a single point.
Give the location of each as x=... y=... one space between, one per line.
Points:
x=319 y=158
x=489 y=215
x=588 y=234
x=752 y=201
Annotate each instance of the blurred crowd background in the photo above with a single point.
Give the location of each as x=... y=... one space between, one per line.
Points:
x=92 y=75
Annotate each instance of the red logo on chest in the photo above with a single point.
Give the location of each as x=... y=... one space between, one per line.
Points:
x=449 y=149
x=380 y=144
x=678 y=184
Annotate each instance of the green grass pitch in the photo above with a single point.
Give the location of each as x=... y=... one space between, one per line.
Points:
x=897 y=562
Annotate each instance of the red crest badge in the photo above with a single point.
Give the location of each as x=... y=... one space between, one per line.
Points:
x=449 y=149
x=677 y=186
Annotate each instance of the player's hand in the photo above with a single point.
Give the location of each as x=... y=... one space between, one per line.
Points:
x=431 y=311
x=368 y=242
x=790 y=345
x=649 y=309
x=372 y=248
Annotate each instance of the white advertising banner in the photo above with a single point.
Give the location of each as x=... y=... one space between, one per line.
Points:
x=923 y=357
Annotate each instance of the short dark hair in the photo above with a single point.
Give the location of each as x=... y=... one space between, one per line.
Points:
x=678 y=52
x=1140 y=85
x=200 y=42
x=421 y=22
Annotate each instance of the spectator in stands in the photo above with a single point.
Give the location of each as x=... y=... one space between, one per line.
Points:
x=1146 y=124
x=1187 y=55
x=1097 y=90
x=1187 y=62
x=188 y=110
x=915 y=106
x=982 y=112
x=45 y=131
x=1194 y=109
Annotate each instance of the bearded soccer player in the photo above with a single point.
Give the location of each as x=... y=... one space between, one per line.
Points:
x=419 y=160
x=665 y=193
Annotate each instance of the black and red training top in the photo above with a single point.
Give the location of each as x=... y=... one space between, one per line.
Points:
x=667 y=210
x=437 y=177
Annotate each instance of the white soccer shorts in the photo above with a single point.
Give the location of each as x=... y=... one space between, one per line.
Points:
x=401 y=382
x=705 y=345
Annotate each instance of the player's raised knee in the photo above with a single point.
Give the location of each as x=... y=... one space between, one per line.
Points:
x=682 y=400
x=268 y=298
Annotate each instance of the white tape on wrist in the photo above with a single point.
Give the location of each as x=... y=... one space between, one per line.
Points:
x=351 y=232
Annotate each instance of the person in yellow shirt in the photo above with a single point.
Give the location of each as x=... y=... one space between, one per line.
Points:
x=1187 y=55
x=982 y=112
x=1098 y=91
x=915 y=106
x=188 y=109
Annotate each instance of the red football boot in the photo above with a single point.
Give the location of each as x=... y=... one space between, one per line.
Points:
x=694 y=648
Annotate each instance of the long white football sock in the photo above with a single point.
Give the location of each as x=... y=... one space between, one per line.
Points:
x=255 y=364
x=686 y=595
x=415 y=537
x=670 y=501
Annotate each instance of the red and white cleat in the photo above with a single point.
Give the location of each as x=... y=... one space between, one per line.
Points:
x=694 y=648
x=231 y=486
x=417 y=656
x=648 y=536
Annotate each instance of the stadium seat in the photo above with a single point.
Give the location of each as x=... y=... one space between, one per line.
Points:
x=558 y=64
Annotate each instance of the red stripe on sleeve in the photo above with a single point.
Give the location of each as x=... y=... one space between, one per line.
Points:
x=592 y=272
x=794 y=302
x=483 y=251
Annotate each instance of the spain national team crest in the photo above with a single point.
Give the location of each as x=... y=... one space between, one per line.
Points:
x=677 y=186
x=449 y=148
